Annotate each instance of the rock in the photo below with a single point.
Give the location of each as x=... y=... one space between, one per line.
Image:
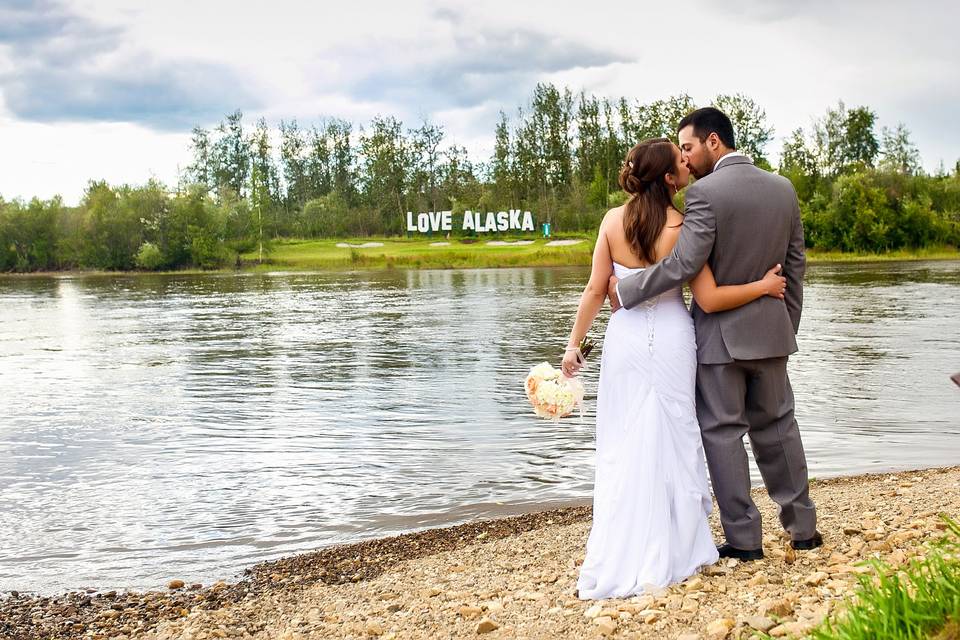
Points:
x=760 y=623
x=851 y=531
x=593 y=611
x=606 y=625
x=780 y=608
x=796 y=629
x=694 y=584
x=374 y=628
x=645 y=602
x=487 y=625
x=608 y=613
x=650 y=616
x=789 y=554
x=688 y=636
x=816 y=578
x=760 y=578
x=718 y=629
x=492 y=606
x=470 y=612
x=714 y=570
x=690 y=605
x=429 y=593
x=175 y=584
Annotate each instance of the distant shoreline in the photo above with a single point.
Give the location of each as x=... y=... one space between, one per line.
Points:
x=420 y=254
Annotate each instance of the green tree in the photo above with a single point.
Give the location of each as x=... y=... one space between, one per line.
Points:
x=264 y=179
x=860 y=141
x=231 y=155
x=113 y=229
x=385 y=162
x=899 y=153
x=750 y=126
x=294 y=164
x=502 y=164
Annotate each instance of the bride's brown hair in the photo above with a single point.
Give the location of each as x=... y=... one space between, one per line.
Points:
x=643 y=178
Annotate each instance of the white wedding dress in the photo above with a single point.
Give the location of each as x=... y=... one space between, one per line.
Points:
x=650 y=496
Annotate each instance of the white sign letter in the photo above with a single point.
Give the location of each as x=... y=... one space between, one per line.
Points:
x=527 y=221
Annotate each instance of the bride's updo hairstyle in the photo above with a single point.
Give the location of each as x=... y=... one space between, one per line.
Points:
x=642 y=177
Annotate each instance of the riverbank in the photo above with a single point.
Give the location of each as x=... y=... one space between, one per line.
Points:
x=361 y=254
x=515 y=577
x=471 y=253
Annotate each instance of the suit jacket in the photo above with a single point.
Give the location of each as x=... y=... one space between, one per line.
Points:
x=742 y=221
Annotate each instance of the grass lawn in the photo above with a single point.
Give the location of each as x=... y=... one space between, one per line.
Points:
x=419 y=253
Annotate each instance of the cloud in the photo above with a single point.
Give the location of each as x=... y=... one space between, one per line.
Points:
x=462 y=64
x=62 y=66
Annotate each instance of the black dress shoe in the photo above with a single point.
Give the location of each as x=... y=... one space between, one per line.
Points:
x=727 y=551
x=810 y=543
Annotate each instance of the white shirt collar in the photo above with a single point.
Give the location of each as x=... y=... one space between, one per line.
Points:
x=731 y=154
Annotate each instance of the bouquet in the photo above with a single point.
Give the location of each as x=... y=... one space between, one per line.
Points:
x=552 y=394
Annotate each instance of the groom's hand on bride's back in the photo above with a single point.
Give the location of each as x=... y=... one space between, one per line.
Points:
x=612 y=294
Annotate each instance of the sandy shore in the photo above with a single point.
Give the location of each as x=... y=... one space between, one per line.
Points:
x=514 y=578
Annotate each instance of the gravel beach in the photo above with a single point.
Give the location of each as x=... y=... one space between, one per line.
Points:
x=515 y=578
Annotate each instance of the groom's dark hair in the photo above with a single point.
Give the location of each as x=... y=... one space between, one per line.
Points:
x=710 y=120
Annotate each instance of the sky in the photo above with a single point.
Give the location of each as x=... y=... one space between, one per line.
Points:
x=110 y=89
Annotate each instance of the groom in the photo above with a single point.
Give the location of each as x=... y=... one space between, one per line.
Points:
x=741 y=220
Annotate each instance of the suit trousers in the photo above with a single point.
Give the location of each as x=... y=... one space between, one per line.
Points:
x=753 y=398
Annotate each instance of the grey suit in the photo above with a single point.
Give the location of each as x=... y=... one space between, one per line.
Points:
x=742 y=221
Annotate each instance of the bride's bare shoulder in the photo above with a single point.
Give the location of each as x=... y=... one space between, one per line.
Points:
x=674 y=218
x=614 y=215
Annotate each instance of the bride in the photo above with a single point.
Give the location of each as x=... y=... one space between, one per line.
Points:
x=650 y=501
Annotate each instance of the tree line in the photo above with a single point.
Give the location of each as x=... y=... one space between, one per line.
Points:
x=558 y=155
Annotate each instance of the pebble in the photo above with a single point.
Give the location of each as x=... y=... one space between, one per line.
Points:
x=815 y=579
x=780 y=608
x=606 y=625
x=176 y=584
x=470 y=612
x=718 y=629
x=487 y=625
x=760 y=623
x=652 y=616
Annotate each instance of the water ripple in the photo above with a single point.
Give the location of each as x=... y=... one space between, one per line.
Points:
x=188 y=426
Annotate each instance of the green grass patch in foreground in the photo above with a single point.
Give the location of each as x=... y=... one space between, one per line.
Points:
x=917 y=602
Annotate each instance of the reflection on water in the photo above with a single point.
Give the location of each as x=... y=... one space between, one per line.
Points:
x=188 y=426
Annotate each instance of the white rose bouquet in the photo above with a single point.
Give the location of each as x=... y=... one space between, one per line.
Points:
x=552 y=394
